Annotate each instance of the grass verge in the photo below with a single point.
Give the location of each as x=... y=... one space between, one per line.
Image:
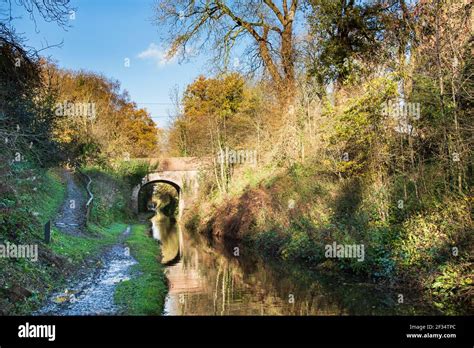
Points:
x=145 y=293
x=78 y=248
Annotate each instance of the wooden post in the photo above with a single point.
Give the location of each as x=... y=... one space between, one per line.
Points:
x=47 y=232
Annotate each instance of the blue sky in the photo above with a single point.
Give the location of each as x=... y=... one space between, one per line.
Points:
x=106 y=32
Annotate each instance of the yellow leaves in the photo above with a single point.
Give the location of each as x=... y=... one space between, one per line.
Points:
x=65 y=135
x=120 y=127
x=214 y=96
x=61 y=299
x=217 y=110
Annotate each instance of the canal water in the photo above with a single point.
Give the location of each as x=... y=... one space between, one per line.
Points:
x=208 y=278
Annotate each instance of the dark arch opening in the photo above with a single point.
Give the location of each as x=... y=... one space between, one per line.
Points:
x=148 y=191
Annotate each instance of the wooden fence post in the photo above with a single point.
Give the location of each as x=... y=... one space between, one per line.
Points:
x=47 y=232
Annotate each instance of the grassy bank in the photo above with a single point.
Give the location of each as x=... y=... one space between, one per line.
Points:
x=25 y=283
x=79 y=248
x=112 y=187
x=145 y=293
x=36 y=198
x=293 y=214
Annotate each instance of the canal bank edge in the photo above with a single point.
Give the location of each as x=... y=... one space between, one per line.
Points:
x=145 y=292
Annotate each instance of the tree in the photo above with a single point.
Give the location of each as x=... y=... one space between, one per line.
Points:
x=115 y=129
x=56 y=11
x=218 y=115
x=26 y=101
x=265 y=27
x=442 y=77
x=345 y=37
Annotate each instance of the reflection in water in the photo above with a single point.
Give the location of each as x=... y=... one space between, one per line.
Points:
x=206 y=279
x=168 y=232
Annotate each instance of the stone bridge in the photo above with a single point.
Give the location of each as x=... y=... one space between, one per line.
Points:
x=179 y=172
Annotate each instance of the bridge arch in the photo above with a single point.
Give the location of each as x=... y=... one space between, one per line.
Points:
x=182 y=181
x=175 y=184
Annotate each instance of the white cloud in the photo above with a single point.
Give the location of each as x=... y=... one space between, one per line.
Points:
x=156 y=55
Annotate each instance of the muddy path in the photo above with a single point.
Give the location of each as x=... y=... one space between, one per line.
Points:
x=71 y=218
x=92 y=292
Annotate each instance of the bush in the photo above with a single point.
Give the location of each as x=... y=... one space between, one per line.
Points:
x=428 y=238
x=112 y=190
x=452 y=288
